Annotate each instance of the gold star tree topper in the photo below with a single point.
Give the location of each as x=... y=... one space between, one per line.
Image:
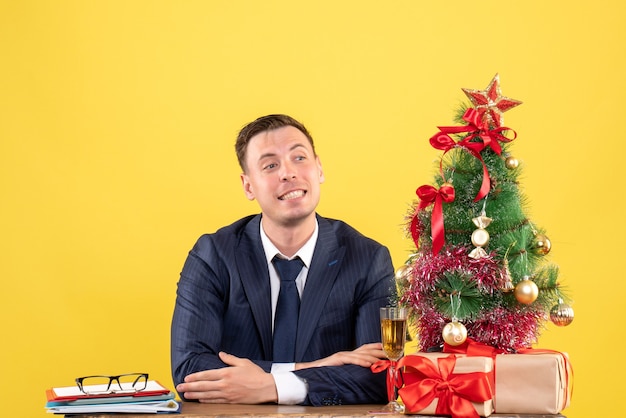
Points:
x=491 y=103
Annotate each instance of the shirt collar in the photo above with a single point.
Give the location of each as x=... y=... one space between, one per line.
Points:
x=305 y=252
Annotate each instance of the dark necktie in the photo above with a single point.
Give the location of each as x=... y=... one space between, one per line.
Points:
x=287 y=310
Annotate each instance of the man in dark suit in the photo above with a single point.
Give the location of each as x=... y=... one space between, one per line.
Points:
x=230 y=297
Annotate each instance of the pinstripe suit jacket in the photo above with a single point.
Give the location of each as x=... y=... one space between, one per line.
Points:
x=223 y=304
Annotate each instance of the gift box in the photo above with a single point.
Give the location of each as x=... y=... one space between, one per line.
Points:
x=446 y=384
x=534 y=383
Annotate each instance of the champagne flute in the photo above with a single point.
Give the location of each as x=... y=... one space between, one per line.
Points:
x=393 y=335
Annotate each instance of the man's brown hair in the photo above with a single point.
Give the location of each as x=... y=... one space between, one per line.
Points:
x=264 y=124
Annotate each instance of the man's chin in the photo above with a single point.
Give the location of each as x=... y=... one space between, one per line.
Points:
x=297 y=219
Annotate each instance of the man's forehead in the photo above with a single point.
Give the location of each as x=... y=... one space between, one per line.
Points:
x=283 y=131
x=282 y=134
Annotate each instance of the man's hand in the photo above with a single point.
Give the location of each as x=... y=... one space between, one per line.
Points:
x=243 y=382
x=363 y=356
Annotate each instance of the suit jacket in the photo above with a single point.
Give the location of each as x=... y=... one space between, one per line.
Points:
x=223 y=304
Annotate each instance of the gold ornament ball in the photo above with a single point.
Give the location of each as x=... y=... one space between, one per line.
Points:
x=542 y=245
x=511 y=163
x=562 y=314
x=526 y=292
x=402 y=272
x=480 y=237
x=454 y=333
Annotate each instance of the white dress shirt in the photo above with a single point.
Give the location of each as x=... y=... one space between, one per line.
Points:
x=291 y=389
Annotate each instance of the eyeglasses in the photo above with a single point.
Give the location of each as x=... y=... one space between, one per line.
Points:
x=123 y=383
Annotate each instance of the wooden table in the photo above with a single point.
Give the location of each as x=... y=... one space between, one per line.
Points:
x=197 y=410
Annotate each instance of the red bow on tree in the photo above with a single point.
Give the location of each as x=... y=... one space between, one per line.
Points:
x=428 y=194
x=477 y=128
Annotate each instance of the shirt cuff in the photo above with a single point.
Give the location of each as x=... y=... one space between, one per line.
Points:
x=290 y=388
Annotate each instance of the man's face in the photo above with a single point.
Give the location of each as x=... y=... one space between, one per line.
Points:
x=283 y=175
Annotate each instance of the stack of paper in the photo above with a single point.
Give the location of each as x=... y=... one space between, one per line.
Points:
x=71 y=400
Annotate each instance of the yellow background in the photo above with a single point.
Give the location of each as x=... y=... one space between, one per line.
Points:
x=117 y=126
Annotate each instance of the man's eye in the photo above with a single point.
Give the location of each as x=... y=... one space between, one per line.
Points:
x=300 y=158
x=269 y=166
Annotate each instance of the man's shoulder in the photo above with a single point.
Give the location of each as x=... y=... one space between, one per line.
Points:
x=237 y=227
x=345 y=232
x=229 y=234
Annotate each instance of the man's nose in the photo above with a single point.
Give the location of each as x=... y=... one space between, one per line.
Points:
x=287 y=172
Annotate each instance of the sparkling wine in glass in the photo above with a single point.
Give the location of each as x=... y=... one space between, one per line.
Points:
x=393 y=336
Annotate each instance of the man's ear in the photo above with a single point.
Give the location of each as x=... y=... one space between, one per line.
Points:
x=319 y=168
x=247 y=187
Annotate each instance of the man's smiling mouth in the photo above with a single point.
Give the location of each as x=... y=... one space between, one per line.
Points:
x=292 y=195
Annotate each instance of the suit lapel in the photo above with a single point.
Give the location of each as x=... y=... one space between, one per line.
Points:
x=255 y=280
x=323 y=271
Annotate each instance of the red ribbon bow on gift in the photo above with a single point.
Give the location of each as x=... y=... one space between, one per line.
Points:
x=429 y=194
x=477 y=129
x=424 y=382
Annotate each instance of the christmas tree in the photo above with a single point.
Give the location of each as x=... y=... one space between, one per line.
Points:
x=480 y=268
